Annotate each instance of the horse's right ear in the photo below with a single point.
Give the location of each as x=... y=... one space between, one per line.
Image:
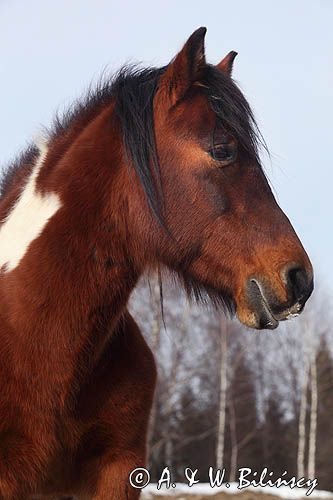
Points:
x=186 y=67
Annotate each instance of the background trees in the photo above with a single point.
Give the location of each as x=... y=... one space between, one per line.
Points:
x=231 y=397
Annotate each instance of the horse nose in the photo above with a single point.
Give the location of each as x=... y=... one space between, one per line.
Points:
x=299 y=283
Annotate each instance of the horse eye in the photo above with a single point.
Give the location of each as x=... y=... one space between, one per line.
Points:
x=223 y=153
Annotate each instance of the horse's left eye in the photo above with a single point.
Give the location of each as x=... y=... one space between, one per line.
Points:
x=225 y=153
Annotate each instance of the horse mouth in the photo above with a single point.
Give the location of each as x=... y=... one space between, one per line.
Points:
x=259 y=304
x=268 y=313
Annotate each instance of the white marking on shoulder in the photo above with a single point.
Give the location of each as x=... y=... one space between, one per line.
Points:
x=27 y=219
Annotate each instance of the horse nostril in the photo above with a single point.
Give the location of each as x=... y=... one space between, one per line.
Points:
x=299 y=283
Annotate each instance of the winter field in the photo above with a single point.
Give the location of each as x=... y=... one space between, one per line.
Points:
x=204 y=491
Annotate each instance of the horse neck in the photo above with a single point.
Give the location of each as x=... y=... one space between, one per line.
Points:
x=73 y=282
x=93 y=184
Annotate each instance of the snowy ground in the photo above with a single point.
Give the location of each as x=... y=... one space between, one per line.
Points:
x=182 y=492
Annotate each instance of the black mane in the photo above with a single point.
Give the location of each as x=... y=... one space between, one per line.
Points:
x=133 y=90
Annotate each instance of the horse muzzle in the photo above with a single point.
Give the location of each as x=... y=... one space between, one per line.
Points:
x=268 y=309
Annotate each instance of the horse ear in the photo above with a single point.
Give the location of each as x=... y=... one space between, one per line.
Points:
x=186 y=67
x=227 y=63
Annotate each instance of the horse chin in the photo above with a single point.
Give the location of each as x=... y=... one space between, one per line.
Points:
x=260 y=318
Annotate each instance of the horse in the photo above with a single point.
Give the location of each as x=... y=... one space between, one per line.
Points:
x=156 y=168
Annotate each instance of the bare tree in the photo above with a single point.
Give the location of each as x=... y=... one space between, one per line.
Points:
x=302 y=425
x=177 y=360
x=155 y=346
x=233 y=440
x=223 y=395
x=313 y=417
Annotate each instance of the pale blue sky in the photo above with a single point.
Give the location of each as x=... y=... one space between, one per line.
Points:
x=51 y=50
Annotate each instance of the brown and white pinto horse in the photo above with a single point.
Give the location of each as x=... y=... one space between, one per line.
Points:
x=158 y=167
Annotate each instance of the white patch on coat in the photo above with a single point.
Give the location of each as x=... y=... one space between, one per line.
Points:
x=27 y=219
